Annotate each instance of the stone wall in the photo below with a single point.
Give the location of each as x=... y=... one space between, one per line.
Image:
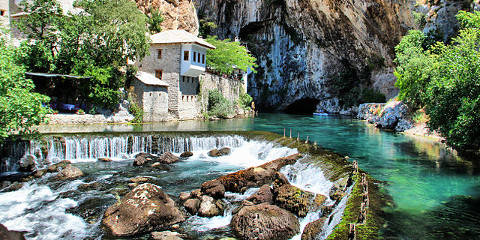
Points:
x=153 y=100
x=230 y=88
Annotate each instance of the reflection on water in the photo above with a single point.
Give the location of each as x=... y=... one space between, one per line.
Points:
x=433 y=189
x=179 y=126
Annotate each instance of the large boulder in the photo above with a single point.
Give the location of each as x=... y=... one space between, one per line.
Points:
x=168 y=158
x=263 y=195
x=256 y=176
x=5 y=234
x=144 y=209
x=69 y=172
x=313 y=229
x=265 y=222
x=213 y=188
x=293 y=199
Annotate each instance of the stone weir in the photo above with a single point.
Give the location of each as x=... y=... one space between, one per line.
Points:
x=310 y=194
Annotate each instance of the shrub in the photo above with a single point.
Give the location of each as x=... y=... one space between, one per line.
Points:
x=136 y=111
x=244 y=101
x=218 y=105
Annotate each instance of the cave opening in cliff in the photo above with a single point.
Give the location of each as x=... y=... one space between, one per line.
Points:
x=302 y=106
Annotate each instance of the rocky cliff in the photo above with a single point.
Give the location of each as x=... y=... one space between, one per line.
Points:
x=322 y=54
x=177 y=14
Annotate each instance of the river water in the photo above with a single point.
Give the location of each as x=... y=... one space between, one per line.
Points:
x=436 y=194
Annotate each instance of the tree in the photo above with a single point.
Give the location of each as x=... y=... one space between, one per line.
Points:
x=96 y=43
x=229 y=56
x=20 y=108
x=155 y=21
x=412 y=72
x=444 y=79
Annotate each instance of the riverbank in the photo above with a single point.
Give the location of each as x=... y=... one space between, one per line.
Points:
x=396 y=116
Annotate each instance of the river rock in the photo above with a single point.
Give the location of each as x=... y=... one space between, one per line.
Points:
x=186 y=154
x=142 y=158
x=224 y=151
x=10 y=187
x=39 y=173
x=263 y=195
x=293 y=199
x=160 y=166
x=168 y=158
x=214 y=153
x=5 y=234
x=140 y=179
x=69 y=172
x=144 y=209
x=209 y=207
x=105 y=159
x=166 y=235
x=264 y=222
x=214 y=188
x=313 y=229
x=219 y=152
x=184 y=196
x=57 y=166
x=27 y=164
x=192 y=205
x=256 y=176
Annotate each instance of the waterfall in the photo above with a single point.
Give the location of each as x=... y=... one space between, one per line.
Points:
x=119 y=147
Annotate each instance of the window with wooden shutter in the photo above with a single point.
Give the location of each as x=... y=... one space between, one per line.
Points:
x=159 y=53
x=158 y=74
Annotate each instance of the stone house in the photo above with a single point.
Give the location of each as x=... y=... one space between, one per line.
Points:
x=176 y=61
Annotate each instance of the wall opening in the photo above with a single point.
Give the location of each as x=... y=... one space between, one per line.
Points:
x=302 y=106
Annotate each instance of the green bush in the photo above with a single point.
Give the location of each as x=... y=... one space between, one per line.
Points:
x=444 y=80
x=244 y=101
x=218 y=105
x=136 y=111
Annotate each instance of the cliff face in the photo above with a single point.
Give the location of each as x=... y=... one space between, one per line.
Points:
x=318 y=52
x=177 y=14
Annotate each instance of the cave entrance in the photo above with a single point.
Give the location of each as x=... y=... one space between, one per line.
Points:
x=303 y=106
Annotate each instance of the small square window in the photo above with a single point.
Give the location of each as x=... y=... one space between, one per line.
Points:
x=186 y=55
x=158 y=74
x=159 y=53
x=2 y=12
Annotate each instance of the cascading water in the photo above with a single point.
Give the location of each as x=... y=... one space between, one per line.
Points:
x=90 y=148
x=51 y=209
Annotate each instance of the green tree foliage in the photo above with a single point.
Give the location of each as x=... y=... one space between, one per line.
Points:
x=245 y=100
x=95 y=43
x=218 y=105
x=206 y=28
x=444 y=79
x=229 y=55
x=155 y=21
x=20 y=108
x=413 y=70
